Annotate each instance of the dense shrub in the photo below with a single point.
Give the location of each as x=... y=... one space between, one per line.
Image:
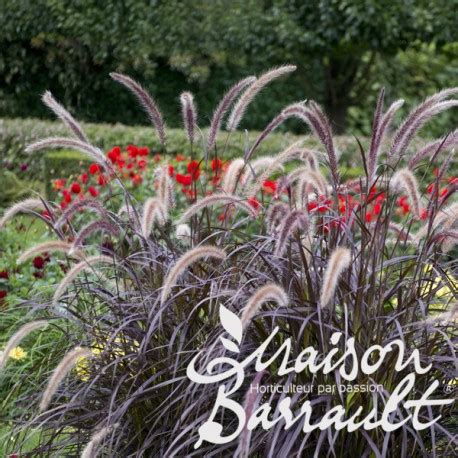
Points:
x=301 y=254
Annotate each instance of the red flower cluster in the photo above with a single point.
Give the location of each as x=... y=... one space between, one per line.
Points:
x=130 y=164
x=4 y=275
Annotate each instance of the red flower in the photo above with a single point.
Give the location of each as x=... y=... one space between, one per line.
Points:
x=424 y=214
x=430 y=188
x=171 y=171
x=254 y=203
x=102 y=181
x=84 y=178
x=142 y=164
x=377 y=209
x=216 y=164
x=92 y=191
x=4 y=274
x=67 y=196
x=143 y=151
x=75 y=188
x=368 y=217
x=216 y=179
x=133 y=150
x=137 y=179
x=193 y=169
x=3 y=294
x=157 y=157
x=185 y=180
x=179 y=158
x=311 y=206
x=115 y=154
x=453 y=180
x=405 y=209
x=59 y=184
x=63 y=205
x=38 y=262
x=443 y=192
x=269 y=186
x=94 y=168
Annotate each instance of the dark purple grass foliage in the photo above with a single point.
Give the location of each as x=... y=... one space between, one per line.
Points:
x=137 y=378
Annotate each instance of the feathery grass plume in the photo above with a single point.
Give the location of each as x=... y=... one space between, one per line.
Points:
x=216 y=199
x=233 y=175
x=89 y=229
x=405 y=179
x=372 y=154
x=223 y=107
x=60 y=372
x=17 y=337
x=447 y=238
x=247 y=97
x=153 y=211
x=257 y=165
x=188 y=258
x=90 y=451
x=189 y=114
x=285 y=114
x=89 y=203
x=442 y=144
x=146 y=101
x=307 y=182
x=266 y=293
x=291 y=152
x=63 y=142
x=52 y=246
x=275 y=215
x=320 y=123
x=86 y=264
x=64 y=115
x=296 y=220
x=405 y=236
x=183 y=233
x=418 y=117
x=446 y=219
x=24 y=206
x=339 y=261
x=165 y=188
x=310 y=157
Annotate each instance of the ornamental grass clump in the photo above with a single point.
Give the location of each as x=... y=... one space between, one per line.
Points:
x=283 y=244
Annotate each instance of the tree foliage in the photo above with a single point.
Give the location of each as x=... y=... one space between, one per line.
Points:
x=344 y=49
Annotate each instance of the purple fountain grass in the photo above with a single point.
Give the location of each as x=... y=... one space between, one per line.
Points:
x=146 y=101
x=247 y=97
x=339 y=261
x=296 y=220
x=275 y=216
x=216 y=199
x=442 y=144
x=267 y=293
x=232 y=176
x=89 y=229
x=189 y=114
x=24 y=206
x=184 y=262
x=404 y=179
x=77 y=205
x=60 y=372
x=90 y=451
x=373 y=153
x=64 y=115
x=223 y=107
x=48 y=247
x=153 y=211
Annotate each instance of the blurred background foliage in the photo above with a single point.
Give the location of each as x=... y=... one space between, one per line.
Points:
x=345 y=51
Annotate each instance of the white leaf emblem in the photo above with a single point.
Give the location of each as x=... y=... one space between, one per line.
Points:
x=229 y=345
x=231 y=323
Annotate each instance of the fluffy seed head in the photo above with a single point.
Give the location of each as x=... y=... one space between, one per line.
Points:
x=64 y=115
x=223 y=107
x=404 y=179
x=189 y=114
x=188 y=258
x=90 y=204
x=233 y=176
x=90 y=229
x=183 y=233
x=339 y=261
x=146 y=101
x=24 y=206
x=153 y=211
x=269 y=292
x=296 y=220
x=52 y=246
x=247 y=97
x=87 y=264
x=216 y=199
x=60 y=372
x=90 y=451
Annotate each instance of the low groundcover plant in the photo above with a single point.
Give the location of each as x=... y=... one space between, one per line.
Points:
x=311 y=253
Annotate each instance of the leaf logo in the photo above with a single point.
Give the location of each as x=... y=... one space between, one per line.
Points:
x=233 y=326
